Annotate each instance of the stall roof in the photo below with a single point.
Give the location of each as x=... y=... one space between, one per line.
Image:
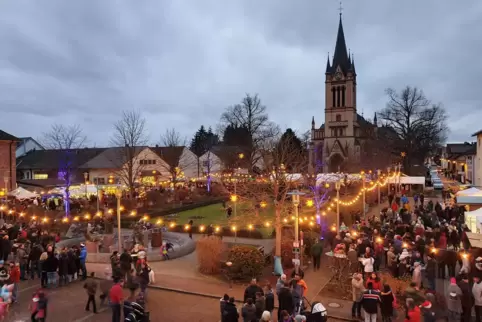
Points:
x=475 y=239
x=471 y=199
x=409 y=180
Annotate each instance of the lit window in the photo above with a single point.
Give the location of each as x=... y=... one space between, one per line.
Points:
x=40 y=176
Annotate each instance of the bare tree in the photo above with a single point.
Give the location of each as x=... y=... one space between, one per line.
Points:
x=66 y=139
x=420 y=124
x=252 y=115
x=130 y=138
x=276 y=183
x=172 y=138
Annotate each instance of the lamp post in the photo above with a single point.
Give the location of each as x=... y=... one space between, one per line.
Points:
x=388 y=180
x=295 y=197
x=118 y=194
x=379 y=172
x=363 y=190
x=337 y=187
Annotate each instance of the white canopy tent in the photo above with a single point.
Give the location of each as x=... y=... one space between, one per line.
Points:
x=408 y=180
x=473 y=220
x=82 y=190
x=473 y=198
x=468 y=192
x=323 y=178
x=22 y=193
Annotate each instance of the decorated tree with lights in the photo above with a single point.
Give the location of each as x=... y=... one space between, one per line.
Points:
x=65 y=139
x=269 y=191
x=202 y=145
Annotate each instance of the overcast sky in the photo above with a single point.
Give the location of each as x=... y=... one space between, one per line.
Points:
x=182 y=62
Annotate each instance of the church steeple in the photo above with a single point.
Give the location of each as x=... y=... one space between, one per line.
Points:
x=341 y=57
x=328 y=66
x=375 y=119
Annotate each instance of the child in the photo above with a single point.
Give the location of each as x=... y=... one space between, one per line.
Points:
x=164 y=251
x=15 y=277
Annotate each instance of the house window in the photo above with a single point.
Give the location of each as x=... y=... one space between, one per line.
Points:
x=206 y=163
x=40 y=176
x=144 y=162
x=99 y=180
x=338 y=117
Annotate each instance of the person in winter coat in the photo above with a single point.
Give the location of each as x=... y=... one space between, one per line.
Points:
x=83 y=258
x=367 y=263
x=467 y=298
x=375 y=280
x=454 y=305
x=285 y=300
x=269 y=298
x=430 y=271
x=280 y=283
x=230 y=313
x=248 y=312
x=316 y=252
x=413 y=312
x=34 y=259
x=125 y=263
x=251 y=290
x=260 y=305
x=63 y=268
x=370 y=301
x=222 y=303
x=386 y=306
x=357 y=290
x=51 y=265
x=477 y=294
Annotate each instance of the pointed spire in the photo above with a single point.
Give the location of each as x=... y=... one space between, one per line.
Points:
x=375 y=119
x=341 y=57
x=313 y=123
x=328 y=66
x=353 y=63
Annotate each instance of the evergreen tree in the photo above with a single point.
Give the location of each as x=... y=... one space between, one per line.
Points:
x=203 y=141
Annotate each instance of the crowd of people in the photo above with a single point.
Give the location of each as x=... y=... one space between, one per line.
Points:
x=417 y=242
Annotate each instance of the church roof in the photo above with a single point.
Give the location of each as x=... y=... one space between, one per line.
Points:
x=341 y=57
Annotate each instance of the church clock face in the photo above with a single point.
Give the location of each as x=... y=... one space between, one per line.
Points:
x=338 y=75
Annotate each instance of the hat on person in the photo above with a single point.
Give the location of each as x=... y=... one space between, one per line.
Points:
x=478 y=259
x=300 y=318
x=266 y=316
x=427 y=304
x=82 y=245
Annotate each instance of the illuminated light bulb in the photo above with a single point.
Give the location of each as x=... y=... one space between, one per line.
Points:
x=267 y=224
x=233 y=228
x=2 y=208
x=44 y=219
x=327 y=185
x=10 y=212
x=379 y=240
x=404 y=245
x=76 y=218
x=293 y=217
x=465 y=255
x=263 y=204
x=133 y=213
x=250 y=227
x=145 y=218
x=329 y=209
x=433 y=250
x=311 y=223
x=317 y=216
x=309 y=203
x=172 y=225
x=187 y=227
x=21 y=214
x=159 y=222
x=234 y=198
x=300 y=220
x=333 y=228
x=110 y=211
x=285 y=220
x=65 y=219
x=201 y=228
x=34 y=217
x=87 y=216
x=217 y=229
x=122 y=208
x=306 y=218
x=323 y=213
x=98 y=214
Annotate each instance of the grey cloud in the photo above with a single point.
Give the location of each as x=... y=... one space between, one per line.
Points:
x=182 y=62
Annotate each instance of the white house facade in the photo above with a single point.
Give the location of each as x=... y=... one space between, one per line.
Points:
x=26 y=145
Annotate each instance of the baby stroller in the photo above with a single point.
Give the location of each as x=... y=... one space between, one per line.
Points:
x=135 y=313
x=318 y=313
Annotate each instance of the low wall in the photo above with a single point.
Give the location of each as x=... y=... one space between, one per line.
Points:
x=186 y=247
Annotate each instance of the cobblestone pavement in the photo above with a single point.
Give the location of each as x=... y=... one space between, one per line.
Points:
x=67 y=304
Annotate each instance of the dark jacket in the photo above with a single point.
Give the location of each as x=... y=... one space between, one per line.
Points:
x=269 y=301
x=35 y=253
x=51 y=264
x=63 y=264
x=230 y=313
x=71 y=265
x=249 y=313
x=467 y=299
x=430 y=268
x=125 y=262
x=250 y=292
x=370 y=301
x=386 y=306
x=285 y=300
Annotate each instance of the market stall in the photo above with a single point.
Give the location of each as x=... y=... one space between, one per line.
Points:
x=473 y=220
x=22 y=194
x=407 y=182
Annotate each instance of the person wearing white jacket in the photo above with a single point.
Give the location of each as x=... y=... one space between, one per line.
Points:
x=367 y=263
x=477 y=293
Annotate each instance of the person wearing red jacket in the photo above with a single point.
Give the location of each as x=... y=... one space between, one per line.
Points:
x=15 y=278
x=375 y=281
x=442 y=241
x=413 y=312
x=116 y=298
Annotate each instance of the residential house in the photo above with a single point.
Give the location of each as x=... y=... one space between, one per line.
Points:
x=477 y=162
x=181 y=162
x=222 y=158
x=459 y=161
x=8 y=145
x=47 y=168
x=113 y=166
x=26 y=145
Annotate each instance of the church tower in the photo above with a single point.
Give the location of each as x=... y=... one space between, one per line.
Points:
x=340 y=106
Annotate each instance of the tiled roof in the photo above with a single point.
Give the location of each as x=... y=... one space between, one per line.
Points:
x=4 y=136
x=111 y=158
x=170 y=154
x=461 y=148
x=50 y=159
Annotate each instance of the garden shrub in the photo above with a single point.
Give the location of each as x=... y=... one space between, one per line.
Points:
x=248 y=262
x=286 y=252
x=209 y=250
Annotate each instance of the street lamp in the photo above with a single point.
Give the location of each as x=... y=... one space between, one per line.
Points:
x=379 y=172
x=388 y=181
x=295 y=197
x=118 y=194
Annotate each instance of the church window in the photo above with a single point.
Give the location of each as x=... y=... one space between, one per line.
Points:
x=338 y=117
x=338 y=94
x=333 y=92
x=343 y=96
